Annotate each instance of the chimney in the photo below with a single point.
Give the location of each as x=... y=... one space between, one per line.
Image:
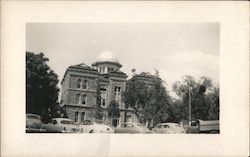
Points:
x=133 y=72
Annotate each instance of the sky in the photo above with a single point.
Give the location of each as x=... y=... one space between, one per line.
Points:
x=174 y=49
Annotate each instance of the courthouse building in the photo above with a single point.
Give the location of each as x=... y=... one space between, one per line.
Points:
x=79 y=89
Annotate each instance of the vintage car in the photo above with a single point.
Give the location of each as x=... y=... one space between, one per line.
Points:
x=61 y=125
x=34 y=124
x=95 y=126
x=132 y=128
x=201 y=126
x=168 y=128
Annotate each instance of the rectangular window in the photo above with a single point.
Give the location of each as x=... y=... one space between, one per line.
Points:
x=103 y=102
x=103 y=97
x=84 y=99
x=83 y=117
x=84 y=84
x=76 y=116
x=78 y=83
x=117 y=89
x=118 y=94
x=77 y=98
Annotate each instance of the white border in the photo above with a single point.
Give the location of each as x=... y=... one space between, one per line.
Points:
x=234 y=78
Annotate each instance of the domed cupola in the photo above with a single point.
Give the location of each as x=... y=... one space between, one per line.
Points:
x=106 y=62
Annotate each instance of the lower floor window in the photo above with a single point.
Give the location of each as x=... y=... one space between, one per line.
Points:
x=76 y=116
x=83 y=116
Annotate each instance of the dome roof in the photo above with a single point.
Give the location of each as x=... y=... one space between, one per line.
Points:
x=107 y=56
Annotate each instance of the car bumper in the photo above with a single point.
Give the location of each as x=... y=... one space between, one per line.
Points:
x=34 y=130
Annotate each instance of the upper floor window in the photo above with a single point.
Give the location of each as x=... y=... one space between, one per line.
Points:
x=84 y=99
x=84 y=84
x=103 y=70
x=78 y=83
x=117 y=89
x=77 y=98
x=118 y=94
x=103 y=97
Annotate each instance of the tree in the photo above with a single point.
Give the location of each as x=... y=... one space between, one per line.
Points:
x=135 y=96
x=149 y=101
x=214 y=101
x=113 y=111
x=157 y=106
x=41 y=85
x=199 y=101
x=176 y=111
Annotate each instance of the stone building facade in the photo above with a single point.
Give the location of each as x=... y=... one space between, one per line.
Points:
x=79 y=89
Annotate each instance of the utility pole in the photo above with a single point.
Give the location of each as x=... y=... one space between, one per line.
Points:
x=189 y=102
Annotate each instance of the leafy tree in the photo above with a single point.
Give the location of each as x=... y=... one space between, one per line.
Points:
x=157 y=106
x=135 y=96
x=149 y=101
x=176 y=111
x=113 y=110
x=213 y=99
x=199 y=98
x=41 y=85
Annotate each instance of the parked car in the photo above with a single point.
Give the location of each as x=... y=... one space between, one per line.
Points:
x=132 y=128
x=95 y=126
x=61 y=125
x=201 y=126
x=34 y=124
x=168 y=128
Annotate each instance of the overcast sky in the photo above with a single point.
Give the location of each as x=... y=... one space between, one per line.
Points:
x=176 y=49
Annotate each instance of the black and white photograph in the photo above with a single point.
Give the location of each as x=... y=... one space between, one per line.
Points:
x=157 y=78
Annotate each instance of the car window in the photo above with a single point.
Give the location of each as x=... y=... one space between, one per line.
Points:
x=54 y=122
x=193 y=123
x=159 y=126
x=66 y=122
x=98 y=121
x=87 y=122
x=166 y=126
x=129 y=125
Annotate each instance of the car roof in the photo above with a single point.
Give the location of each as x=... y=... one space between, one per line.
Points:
x=131 y=123
x=60 y=119
x=168 y=124
x=31 y=114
